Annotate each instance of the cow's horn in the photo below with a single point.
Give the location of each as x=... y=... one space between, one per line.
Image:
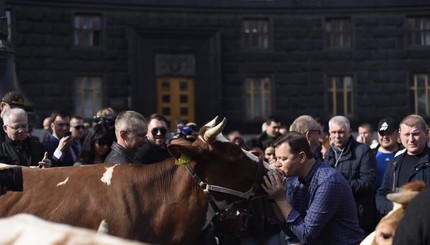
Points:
x=211 y=133
x=212 y=123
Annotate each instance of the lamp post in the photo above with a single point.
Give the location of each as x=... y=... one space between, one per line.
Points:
x=8 y=78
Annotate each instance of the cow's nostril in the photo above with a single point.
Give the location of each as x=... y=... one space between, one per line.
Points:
x=386 y=235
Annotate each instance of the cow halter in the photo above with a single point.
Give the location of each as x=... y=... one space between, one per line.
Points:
x=207 y=188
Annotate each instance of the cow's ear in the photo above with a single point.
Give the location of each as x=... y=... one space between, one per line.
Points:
x=182 y=151
x=402 y=197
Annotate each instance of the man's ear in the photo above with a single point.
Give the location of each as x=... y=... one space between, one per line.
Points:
x=123 y=134
x=302 y=156
x=5 y=128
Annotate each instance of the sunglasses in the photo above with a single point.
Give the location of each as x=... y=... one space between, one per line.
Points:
x=103 y=142
x=79 y=127
x=162 y=131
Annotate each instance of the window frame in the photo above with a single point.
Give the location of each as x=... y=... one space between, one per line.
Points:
x=80 y=92
x=414 y=90
x=411 y=32
x=332 y=91
x=266 y=98
x=343 y=34
x=247 y=39
x=100 y=36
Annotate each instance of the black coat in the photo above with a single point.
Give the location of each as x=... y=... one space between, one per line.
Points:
x=119 y=154
x=24 y=153
x=358 y=165
x=421 y=171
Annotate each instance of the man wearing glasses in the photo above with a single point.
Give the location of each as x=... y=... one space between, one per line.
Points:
x=59 y=143
x=10 y=100
x=156 y=148
x=78 y=132
x=18 y=148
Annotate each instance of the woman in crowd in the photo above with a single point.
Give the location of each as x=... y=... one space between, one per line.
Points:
x=96 y=145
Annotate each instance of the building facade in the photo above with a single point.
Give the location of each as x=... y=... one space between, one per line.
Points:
x=245 y=60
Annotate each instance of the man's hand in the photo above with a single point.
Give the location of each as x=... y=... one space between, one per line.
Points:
x=275 y=185
x=45 y=162
x=65 y=143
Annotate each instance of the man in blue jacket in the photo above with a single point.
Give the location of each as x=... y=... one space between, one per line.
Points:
x=412 y=163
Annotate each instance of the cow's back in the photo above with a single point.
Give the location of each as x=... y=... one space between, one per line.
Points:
x=129 y=197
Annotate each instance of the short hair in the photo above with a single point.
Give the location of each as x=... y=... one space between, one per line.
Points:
x=297 y=142
x=77 y=117
x=14 y=111
x=59 y=113
x=128 y=121
x=304 y=123
x=158 y=117
x=414 y=120
x=366 y=125
x=271 y=119
x=340 y=120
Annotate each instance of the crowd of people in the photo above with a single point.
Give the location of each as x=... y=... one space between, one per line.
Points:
x=327 y=187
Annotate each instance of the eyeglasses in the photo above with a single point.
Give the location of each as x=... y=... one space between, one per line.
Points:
x=79 y=127
x=162 y=131
x=23 y=127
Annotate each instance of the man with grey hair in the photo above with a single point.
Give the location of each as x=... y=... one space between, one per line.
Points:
x=310 y=128
x=357 y=163
x=18 y=148
x=130 y=131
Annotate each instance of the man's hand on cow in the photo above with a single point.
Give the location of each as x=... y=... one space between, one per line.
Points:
x=274 y=184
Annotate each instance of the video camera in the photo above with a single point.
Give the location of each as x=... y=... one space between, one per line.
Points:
x=108 y=120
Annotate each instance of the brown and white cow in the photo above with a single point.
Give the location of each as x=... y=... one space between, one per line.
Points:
x=161 y=203
x=24 y=229
x=386 y=228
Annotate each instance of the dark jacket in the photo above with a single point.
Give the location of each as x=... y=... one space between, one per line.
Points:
x=150 y=153
x=119 y=154
x=23 y=153
x=66 y=160
x=421 y=171
x=358 y=165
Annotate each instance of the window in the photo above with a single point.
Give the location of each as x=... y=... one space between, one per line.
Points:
x=256 y=33
x=87 y=30
x=9 y=25
x=258 y=97
x=341 y=99
x=419 y=94
x=419 y=31
x=338 y=33
x=88 y=96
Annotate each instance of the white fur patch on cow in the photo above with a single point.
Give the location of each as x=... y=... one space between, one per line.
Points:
x=107 y=175
x=63 y=182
